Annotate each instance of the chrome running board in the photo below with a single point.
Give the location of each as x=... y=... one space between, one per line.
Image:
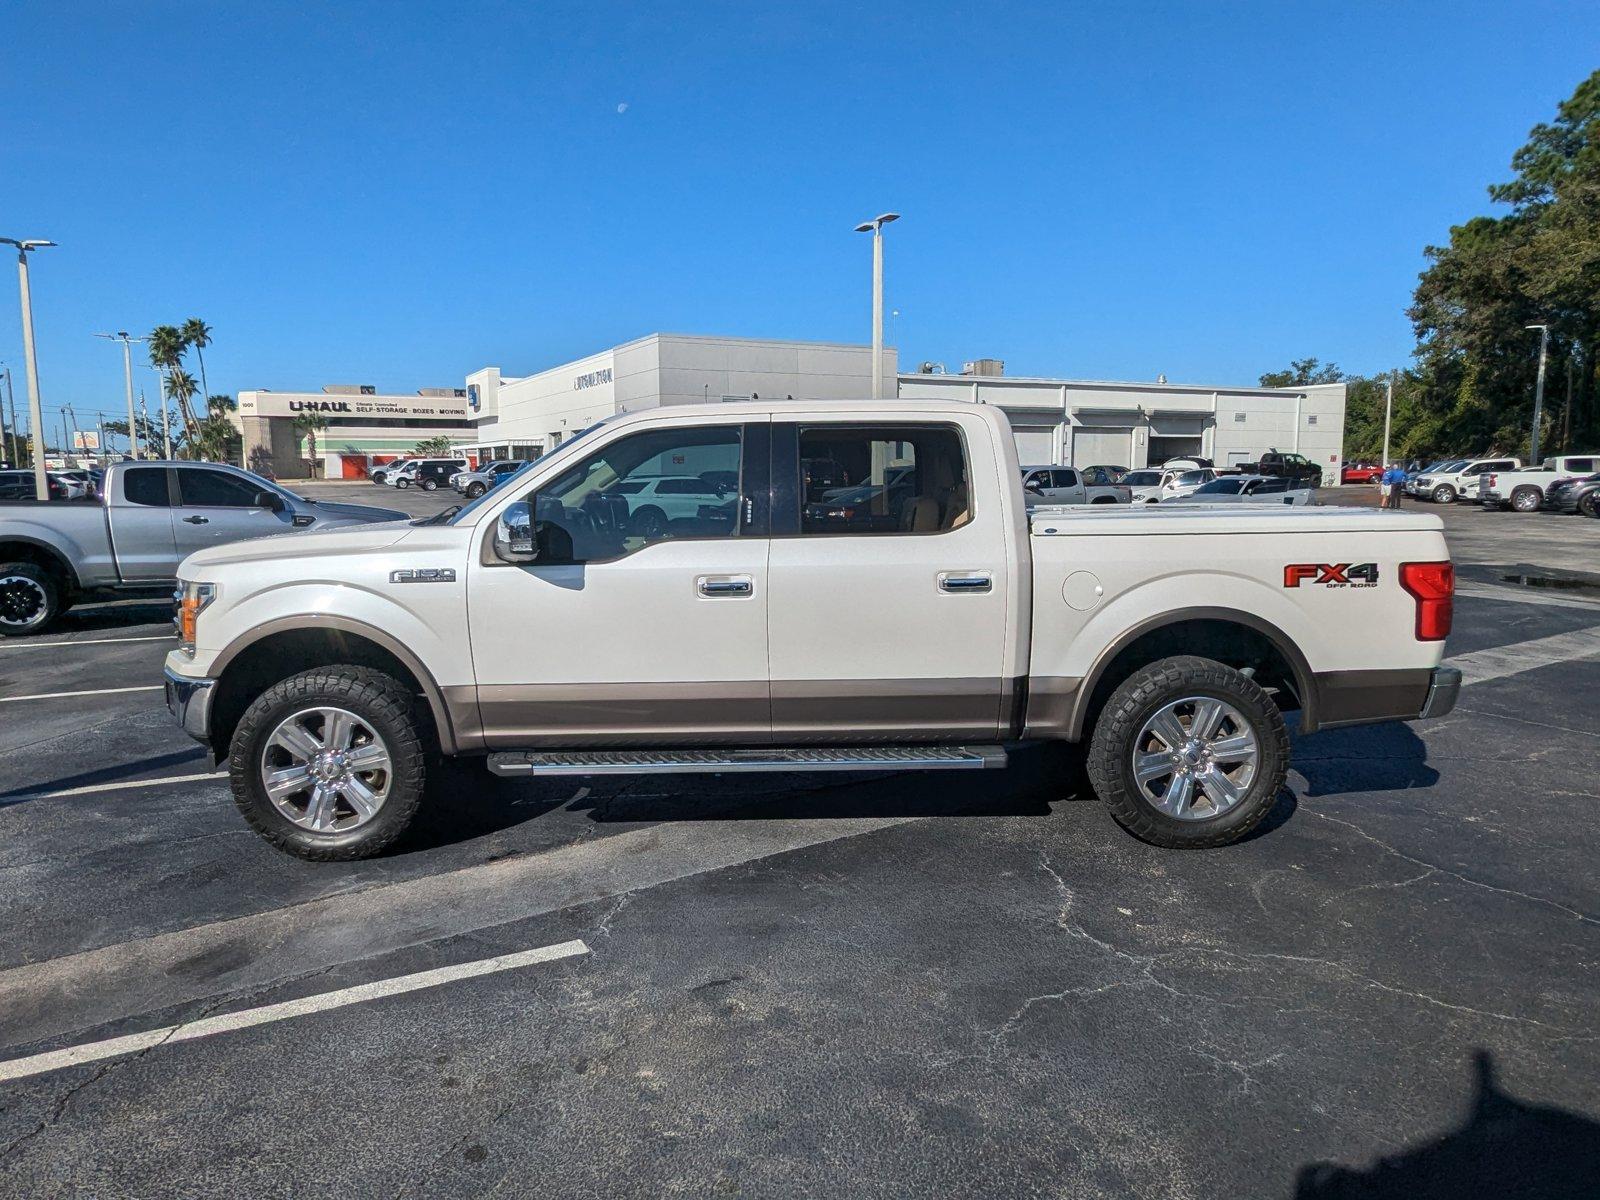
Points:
x=707 y=762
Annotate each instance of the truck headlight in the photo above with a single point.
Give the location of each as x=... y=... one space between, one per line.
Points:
x=193 y=598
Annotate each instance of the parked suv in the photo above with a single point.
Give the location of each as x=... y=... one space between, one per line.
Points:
x=473 y=484
x=426 y=473
x=1460 y=479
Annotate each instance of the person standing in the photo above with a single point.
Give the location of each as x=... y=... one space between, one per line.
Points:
x=1394 y=480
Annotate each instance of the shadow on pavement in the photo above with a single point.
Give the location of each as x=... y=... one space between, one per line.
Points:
x=92 y=617
x=469 y=802
x=116 y=774
x=1364 y=758
x=1506 y=1147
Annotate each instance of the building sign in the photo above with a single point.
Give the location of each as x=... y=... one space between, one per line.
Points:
x=291 y=404
x=592 y=379
x=474 y=399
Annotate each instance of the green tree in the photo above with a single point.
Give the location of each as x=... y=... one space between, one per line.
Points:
x=311 y=424
x=181 y=387
x=215 y=438
x=433 y=447
x=166 y=346
x=1539 y=262
x=1303 y=372
x=197 y=333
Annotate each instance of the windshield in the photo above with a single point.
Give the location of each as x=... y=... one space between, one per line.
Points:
x=1142 y=478
x=1192 y=477
x=1221 y=487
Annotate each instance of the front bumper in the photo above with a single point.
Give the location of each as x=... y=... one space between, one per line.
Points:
x=189 y=702
x=1442 y=693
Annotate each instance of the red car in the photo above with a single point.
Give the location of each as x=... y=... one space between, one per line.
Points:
x=1359 y=474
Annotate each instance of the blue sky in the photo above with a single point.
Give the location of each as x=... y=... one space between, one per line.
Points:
x=398 y=194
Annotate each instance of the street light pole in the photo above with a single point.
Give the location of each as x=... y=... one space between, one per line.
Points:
x=76 y=442
x=41 y=482
x=13 y=452
x=875 y=228
x=1388 y=416
x=127 y=380
x=1538 y=392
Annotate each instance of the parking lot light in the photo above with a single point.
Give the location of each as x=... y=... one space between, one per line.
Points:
x=24 y=247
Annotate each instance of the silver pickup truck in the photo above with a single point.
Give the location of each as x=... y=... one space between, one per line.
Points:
x=151 y=516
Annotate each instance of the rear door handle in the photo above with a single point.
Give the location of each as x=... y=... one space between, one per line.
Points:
x=725 y=585
x=965 y=581
x=198 y=520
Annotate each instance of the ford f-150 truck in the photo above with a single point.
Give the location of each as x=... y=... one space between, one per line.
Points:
x=547 y=630
x=150 y=517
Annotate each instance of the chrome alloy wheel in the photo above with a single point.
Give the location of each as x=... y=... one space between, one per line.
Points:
x=21 y=600
x=1195 y=758
x=326 y=770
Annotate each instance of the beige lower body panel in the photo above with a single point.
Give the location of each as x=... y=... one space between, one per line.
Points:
x=810 y=712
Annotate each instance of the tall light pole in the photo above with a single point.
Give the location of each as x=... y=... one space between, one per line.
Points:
x=1538 y=392
x=16 y=432
x=127 y=380
x=41 y=482
x=1388 y=416
x=875 y=228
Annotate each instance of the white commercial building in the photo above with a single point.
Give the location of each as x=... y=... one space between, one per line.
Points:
x=364 y=428
x=527 y=416
x=1089 y=423
x=1068 y=421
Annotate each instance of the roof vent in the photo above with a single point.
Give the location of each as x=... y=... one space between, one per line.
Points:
x=984 y=366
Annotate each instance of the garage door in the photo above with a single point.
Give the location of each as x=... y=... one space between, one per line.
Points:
x=1163 y=448
x=1095 y=446
x=1035 y=444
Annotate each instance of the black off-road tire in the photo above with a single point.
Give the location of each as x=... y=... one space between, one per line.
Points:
x=378 y=699
x=1110 y=759
x=37 y=601
x=1589 y=504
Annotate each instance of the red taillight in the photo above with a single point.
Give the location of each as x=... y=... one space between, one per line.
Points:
x=1433 y=586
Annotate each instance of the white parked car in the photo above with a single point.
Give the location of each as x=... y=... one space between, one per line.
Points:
x=1183 y=482
x=1524 y=490
x=1459 y=480
x=1247 y=489
x=537 y=631
x=653 y=504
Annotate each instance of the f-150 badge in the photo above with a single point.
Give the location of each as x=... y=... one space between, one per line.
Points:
x=424 y=575
x=1331 y=574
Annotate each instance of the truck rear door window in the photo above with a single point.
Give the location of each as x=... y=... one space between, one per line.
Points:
x=882 y=479
x=146 y=485
x=201 y=488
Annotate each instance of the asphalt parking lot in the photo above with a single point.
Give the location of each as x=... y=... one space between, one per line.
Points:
x=918 y=984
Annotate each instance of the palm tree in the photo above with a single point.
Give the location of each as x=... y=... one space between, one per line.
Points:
x=311 y=424
x=197 y=333
x=166 y=354
x=216 y=435
x=181 y=387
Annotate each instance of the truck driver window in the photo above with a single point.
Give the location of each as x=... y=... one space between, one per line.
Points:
x=883 y=479
x=651 y=487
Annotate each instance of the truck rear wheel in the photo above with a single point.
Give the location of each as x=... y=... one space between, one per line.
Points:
x=30 y=599
x=328 y=765
x=1527 y=499
x=1189 y=753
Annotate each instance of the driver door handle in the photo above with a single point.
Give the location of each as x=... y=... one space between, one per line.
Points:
x=198 y=520
x=725 y=585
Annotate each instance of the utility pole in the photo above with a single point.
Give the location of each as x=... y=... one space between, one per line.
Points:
x=166 y=422
x=127 y=381
x=66 y=447
x=41 y=482
x=1538 y=393
x=14 y=453
x=1566 y=416
x=1388 y=417
x=102 y=420
x=875 y=228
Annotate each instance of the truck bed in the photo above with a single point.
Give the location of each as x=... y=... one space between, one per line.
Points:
x=1184 y=519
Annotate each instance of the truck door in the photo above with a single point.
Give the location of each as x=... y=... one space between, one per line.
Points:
x=628 y=631
x=888 y=623
x=216 y=506
x=139 y=512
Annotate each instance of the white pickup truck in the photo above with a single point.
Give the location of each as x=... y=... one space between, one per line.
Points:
x=1524 y=490
x=936 y=625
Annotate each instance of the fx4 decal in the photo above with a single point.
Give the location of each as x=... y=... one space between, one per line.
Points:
x=1331 y=574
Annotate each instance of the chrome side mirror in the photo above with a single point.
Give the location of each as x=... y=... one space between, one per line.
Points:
x=514 y=541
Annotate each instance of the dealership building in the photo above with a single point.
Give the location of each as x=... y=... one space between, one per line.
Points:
x=364 y=428
x=1056 y=420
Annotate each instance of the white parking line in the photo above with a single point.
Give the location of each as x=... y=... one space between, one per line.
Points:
x=38 y=1064
x=91 y=692
x=94 y=789
x=164 y=637
x=1500 y=661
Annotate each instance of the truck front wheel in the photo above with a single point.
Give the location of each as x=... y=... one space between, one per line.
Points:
x=327 y=765
x=1189 y=753
x=30 y=598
